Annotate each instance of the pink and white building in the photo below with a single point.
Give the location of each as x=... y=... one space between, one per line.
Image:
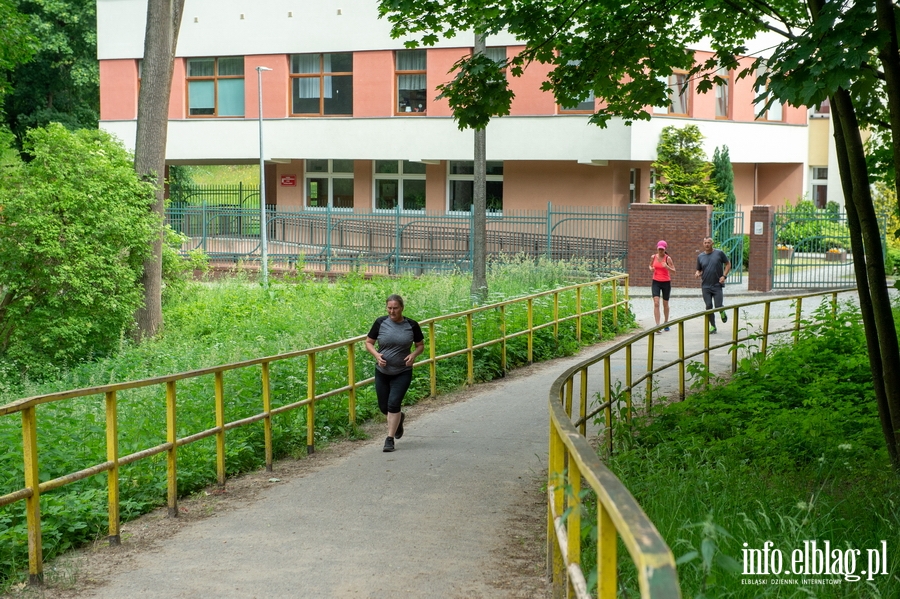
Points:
x=351 y=120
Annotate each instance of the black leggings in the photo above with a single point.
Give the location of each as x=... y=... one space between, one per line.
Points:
x=390 y=389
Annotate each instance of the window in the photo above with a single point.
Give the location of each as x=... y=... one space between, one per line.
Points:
x=652 y=184
x=322 y=84
x=678 y=95
x=215 y=86
x=399 y=183
x=723 y=95
x=329 y=183
x=586 y=104
x=775 y=111
x=823 y=109
x=497 y=54
x=411 y=81
x=462 y=186
x=633 y=179
x=819 y=182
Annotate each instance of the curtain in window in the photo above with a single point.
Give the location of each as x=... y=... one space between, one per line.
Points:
x=201 y=97
x=411 y=60
x=230 y=67
x=307 y=87
x=231 y=97
x=302 y=64
x=411 y=82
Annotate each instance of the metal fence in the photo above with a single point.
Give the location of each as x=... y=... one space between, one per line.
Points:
x=728 y=234
x=401 y=242
x=812 y=248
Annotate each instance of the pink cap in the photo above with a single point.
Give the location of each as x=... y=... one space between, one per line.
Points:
x=662 y=244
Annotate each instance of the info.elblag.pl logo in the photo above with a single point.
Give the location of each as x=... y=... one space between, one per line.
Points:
x=812 y=562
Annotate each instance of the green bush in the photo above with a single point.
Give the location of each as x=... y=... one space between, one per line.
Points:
x=809 y=229
x=75 y=229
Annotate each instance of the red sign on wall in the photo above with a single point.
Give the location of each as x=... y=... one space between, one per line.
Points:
x=289 y=180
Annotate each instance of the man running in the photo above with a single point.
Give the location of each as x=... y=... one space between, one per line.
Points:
x=713 y=267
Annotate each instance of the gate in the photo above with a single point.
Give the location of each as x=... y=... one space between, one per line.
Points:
x=812 y=247
x=727 y=228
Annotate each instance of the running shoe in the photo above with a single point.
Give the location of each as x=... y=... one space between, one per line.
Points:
x=388 y=444
x=724 y=315
x=399 y=432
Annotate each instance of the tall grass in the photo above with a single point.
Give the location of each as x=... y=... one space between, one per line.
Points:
x=219 y=322
x=790 y=451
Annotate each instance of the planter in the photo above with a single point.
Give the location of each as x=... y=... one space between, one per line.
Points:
x=835 y=256
x=787 y=254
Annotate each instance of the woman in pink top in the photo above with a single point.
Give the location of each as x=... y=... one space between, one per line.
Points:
x=661 y=265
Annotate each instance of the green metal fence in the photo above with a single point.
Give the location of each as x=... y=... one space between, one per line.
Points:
x=402 y=242
x=812 y=248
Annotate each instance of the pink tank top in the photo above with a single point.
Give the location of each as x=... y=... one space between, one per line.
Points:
x=660 y=272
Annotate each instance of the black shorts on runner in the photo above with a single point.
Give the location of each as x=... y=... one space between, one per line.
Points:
x=661 y=287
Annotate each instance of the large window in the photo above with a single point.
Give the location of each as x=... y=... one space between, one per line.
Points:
x=322 y=84
x=462 y=186
x=679 y=94
x=329 y=183
x=775 y=111
x=215 y=86
x=411 y=69
x=586 y=104
x=723 y=95
x=399 y=183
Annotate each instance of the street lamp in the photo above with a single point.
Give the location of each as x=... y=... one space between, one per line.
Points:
x=264 y=250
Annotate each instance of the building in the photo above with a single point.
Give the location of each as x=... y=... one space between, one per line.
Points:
x=351 y=120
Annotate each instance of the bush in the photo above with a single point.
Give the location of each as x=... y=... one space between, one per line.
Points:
x=76 y=227
x=808 y=229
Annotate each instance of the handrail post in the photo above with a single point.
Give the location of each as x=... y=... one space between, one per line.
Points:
x=797 y=313
x=681 y=366
x=432 y=366
x=172 y=452
x=112 y=476
x=220 y=428
x=33 y=501
x=556 y=315
x=310 y=407
x=583 y=396
x=607 y=376
x=530 y=304
x=578 y=313
x=555 y=564
x=503 y=338
x=651 y=342
x=573 y=522
x=351 y=382
x=599 y=311
x=267 y=418
x=765 y=334
x=628 y=383
x=470 y=354
x=606 y=554
x=615 y=299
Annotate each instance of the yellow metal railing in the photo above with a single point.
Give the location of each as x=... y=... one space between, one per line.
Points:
x=572 y=460
x=28 y=408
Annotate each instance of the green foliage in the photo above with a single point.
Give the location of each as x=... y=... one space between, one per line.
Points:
x=61 y=81
x=477 y=92
x=16 y=43
x=75 y=230
x=683 y=170
x=810 y=229
x=779 y=453
x=723 y=177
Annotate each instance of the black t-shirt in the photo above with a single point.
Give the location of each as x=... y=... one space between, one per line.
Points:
x=394 y=342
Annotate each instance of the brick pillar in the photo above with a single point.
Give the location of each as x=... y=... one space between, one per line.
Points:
x=682 y=226
x=762 y=248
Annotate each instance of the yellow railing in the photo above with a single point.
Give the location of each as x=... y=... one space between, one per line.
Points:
x=28 y=408
x=572 y=460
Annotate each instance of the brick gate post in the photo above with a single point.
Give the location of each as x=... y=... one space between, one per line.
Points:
x=762 y=248
x=682 y=226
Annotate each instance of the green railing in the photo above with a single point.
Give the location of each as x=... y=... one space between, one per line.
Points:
x=486 y=326
x=573 y=460
x=394 y=241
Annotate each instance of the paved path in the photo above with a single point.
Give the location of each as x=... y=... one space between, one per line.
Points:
x=425 y=521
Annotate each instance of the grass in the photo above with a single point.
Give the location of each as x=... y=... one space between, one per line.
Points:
x=231 y=320
x=224 y=174
x=790 y=452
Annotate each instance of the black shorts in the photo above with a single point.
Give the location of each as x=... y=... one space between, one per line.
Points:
x=661 y=287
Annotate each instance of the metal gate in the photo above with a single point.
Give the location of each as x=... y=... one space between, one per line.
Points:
x=727 y=228
x=812 y=247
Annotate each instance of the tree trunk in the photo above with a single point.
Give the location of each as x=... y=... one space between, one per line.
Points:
x=874 y=301
x=890 y=64
x=479 y=224
x=161 y=36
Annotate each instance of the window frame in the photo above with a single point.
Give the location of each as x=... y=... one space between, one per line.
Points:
x=215 y=78
x=398 y=73
x=762 y=72
x=727 y=87
x=400 y=176
x=321 y=75
x=817 y=182
x=451 y=177
x=330 y=175
x=675 y=88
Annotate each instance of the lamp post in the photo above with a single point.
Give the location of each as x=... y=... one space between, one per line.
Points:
x=264 y=250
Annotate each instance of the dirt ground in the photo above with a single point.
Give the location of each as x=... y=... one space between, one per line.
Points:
x=518 y=570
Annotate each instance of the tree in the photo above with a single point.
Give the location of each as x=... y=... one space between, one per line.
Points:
x=845 y=52
x=723 y=177
x=163 y=23
x=684 y=174
x=60 y=83
x=74 y=231
x=16 y=44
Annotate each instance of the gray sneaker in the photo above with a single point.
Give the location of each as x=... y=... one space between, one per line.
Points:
x=388 y=444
